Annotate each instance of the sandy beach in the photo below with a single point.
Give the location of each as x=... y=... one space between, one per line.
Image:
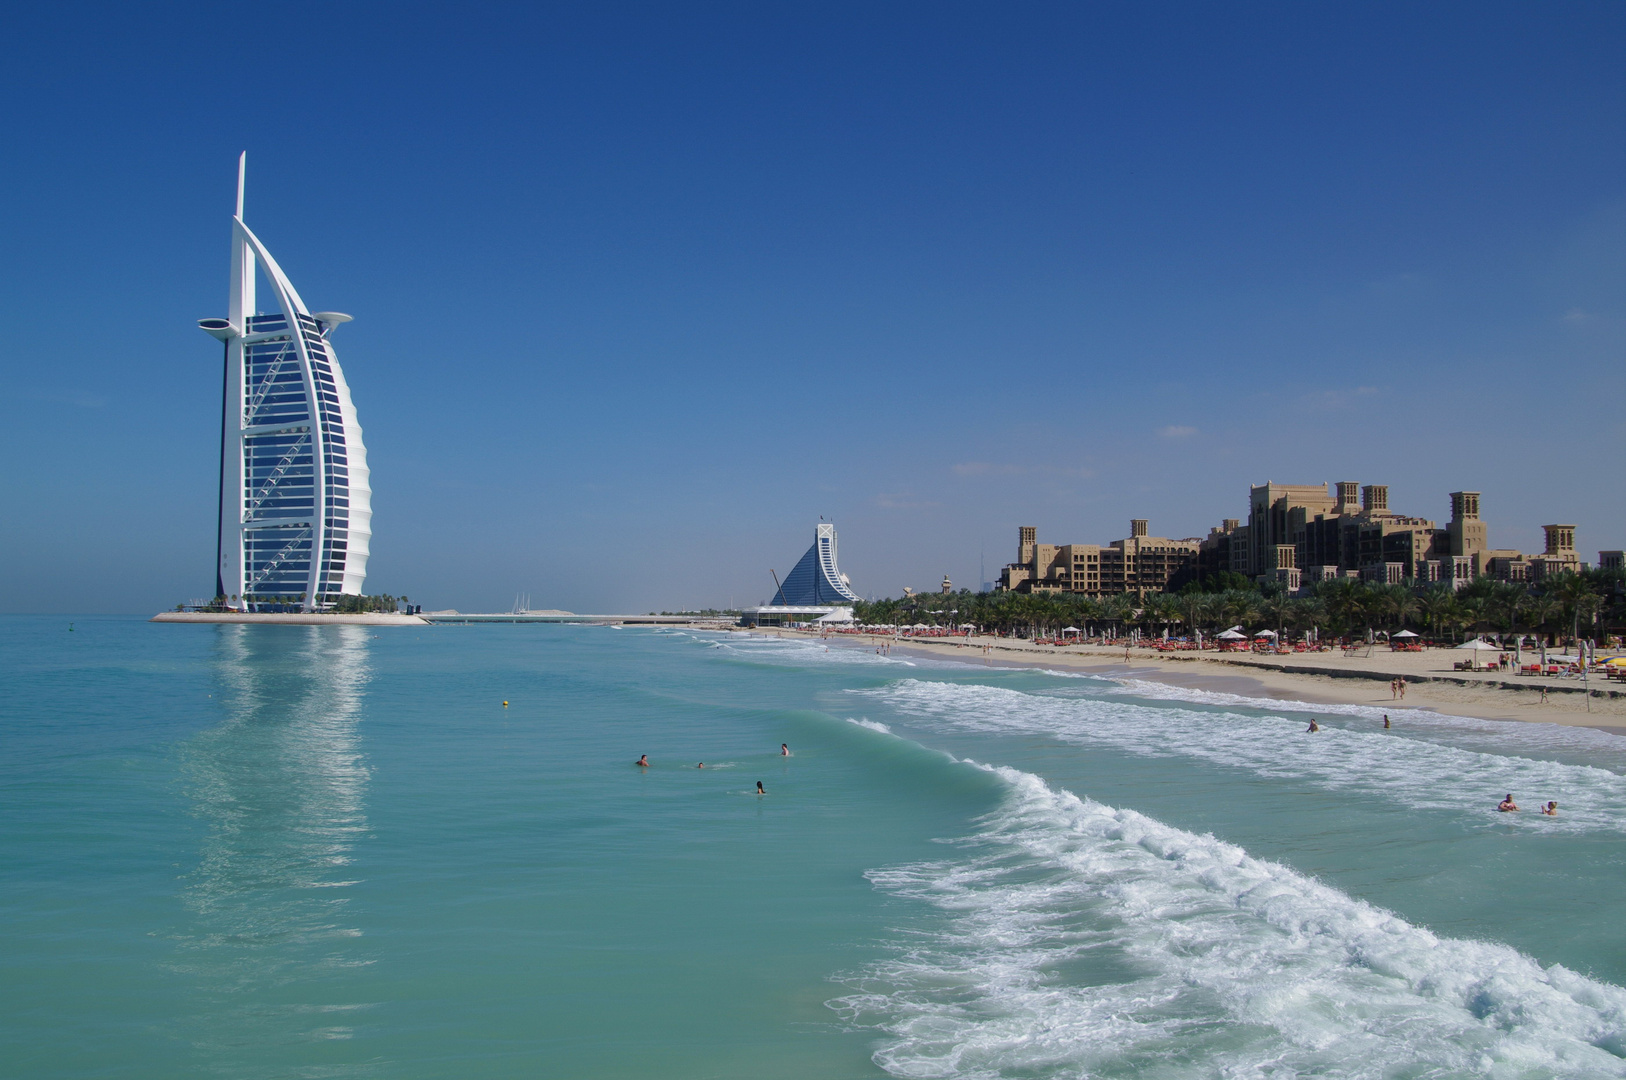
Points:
x=1332 y=678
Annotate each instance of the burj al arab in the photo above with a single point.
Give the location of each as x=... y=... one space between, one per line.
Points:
x=295 y=505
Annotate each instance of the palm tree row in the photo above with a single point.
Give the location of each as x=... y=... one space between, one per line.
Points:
x=1575 y=605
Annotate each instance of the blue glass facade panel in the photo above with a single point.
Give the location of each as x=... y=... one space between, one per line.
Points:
x=280 y=467
x=814 y=581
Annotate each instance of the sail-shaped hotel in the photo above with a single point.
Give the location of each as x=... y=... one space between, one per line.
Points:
x=295 y=505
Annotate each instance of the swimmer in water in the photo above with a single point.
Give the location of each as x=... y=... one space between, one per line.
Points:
x=1385 y=721
x=759 y=788
x=784 y=750
x=643 y=761
x=1507 y=805
x=1313 y=727
x=1551 y=809
x=702 y=765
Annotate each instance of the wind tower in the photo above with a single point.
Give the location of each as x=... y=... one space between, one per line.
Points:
x=295 y=521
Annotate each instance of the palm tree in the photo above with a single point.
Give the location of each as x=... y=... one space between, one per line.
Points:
x=1437 y=603
x=1307 y=611
x=1400 y=604
x=1192 y=609
x=1276 y=607
x=1472 y=612
x=1540 y=610
x=1509 y=600
x=1575 y=593
x=1240 y=606
x=1342 y=598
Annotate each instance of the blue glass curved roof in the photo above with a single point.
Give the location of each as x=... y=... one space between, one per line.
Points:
x=816 y=579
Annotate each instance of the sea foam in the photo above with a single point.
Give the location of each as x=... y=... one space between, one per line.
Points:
x=1084 y=940
x=1421 y=773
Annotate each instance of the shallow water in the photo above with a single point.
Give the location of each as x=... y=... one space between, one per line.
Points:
x=313 y=851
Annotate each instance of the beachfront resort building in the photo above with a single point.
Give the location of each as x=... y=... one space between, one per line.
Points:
x=815 y=590
x=1300 y=534
x=295 y=504
x=1296 y=535
x=1137 y=564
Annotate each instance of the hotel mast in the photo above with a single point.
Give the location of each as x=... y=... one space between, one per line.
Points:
x=295 y=505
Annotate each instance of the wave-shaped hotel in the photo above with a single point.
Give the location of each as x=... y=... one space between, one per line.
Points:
x=814 y=590
x=295 y=505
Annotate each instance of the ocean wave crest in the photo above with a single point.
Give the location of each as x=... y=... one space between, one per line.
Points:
x=1087 y=940
x=1425 y=774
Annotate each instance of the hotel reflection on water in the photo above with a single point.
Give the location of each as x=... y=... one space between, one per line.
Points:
x=280 y=786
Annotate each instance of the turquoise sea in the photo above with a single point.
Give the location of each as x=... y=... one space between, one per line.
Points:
x=274 y=851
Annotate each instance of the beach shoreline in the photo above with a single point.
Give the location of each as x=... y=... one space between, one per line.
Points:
x=1341 y=681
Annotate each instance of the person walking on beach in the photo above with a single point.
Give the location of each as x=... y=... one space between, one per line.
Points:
x=1394 y=689
x=1507 y=805
x=1544 y=695
x=1402 y=682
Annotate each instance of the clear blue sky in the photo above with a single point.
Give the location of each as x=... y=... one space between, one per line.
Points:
x=641 y=291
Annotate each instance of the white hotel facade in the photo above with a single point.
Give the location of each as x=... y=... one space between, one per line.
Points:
x=295 y=505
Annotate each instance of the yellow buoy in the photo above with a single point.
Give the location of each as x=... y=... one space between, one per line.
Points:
x=505 y=704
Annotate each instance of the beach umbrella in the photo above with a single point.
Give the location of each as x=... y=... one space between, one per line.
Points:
x=1265 y=633
x=1479 y=645
x=1231 y=635
x=1405 y=633
x=1069 y=629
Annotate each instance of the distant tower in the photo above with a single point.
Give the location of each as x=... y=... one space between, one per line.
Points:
x=1348 y=497
x=295 y=504
x=948 y=586
x=1027 y=536
x=1466 y=532
x=1560 y=539
x=1137 y=526
x=1375 y=499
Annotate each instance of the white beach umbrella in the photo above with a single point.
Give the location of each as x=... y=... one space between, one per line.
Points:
x=1405 y=633
x=1265 y=633
x=1480 y=645
x=1069 y=629
x=1231 y=635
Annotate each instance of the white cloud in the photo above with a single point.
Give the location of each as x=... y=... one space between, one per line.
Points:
x=1335 y=400
x=902 y=501
x=986 y=468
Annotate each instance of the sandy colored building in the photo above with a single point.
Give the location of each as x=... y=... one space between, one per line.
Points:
x=1139 y=564
x=1297 y=535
